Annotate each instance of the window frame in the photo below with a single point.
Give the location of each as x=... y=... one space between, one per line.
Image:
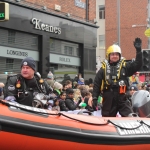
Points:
x=101 y=11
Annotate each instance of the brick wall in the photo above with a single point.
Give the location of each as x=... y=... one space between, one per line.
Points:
x=68 y=6
x=131 y=12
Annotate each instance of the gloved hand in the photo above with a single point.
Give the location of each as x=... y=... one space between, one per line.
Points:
x=11 y=99
x=79 y=100
x=137 y=44
x=95 y=103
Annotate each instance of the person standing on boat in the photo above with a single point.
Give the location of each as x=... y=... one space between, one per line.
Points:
x=22 y=88
x=112 y=82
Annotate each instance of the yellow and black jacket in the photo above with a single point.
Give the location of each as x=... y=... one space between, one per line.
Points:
x=109 y=75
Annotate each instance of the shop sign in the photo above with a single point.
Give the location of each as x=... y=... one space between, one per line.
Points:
x=80 y=4
x=38 y=25
x=66 y=60
x=17 y=53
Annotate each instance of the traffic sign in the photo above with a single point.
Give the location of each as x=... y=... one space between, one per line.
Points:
x=4 y=11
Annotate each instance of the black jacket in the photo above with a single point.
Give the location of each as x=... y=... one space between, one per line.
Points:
x=130 y=69
x=71 y=105
x=25 y=94
x=62 y=105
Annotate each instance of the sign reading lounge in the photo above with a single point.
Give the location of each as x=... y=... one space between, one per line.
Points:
x=38 y=25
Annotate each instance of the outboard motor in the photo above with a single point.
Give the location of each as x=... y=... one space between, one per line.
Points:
x=141 y=103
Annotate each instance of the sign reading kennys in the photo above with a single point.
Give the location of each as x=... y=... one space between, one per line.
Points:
x=45 y=27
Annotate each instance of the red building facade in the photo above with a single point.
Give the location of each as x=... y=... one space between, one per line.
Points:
x=132 y=12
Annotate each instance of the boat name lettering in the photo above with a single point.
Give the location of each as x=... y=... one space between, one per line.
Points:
x=139 y=130
x=64 y=59
x=18 y=53
x=45 y=27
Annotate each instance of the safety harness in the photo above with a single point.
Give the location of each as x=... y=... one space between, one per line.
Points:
x=21 y=86
x=112 y=74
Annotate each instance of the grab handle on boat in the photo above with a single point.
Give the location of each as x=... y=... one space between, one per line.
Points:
x=85 y=112
x=133 y=115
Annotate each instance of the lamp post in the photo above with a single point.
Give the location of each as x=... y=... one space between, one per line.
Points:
x=118 y=21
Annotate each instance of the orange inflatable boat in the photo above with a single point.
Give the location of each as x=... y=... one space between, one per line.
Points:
x=28 y=128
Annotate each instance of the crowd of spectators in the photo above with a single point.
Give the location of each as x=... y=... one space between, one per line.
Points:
x=71 y=94
x=77 y=94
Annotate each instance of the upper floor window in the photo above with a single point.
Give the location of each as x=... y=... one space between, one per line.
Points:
x=102 y=41
x=101 y=12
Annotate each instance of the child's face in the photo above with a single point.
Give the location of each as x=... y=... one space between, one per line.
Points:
x=71 y=95
x=65 y=87
x=78 y=93
x=57 y=103
x=63 y=96
x=132 y=92
x=88 y=96
x=69 y=85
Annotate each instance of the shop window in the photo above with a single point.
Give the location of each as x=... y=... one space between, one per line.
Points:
x=11 y=36
x=65 y=48
x=52 y=44
x=34 y=40
x=9 y=64
x=101 y=12
x=64 y=72
x=77 y=52
x=68 y=50
x=88 y=63
x=102 y=41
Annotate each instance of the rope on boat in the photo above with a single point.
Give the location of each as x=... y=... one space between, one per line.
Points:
x=62 y=114
x=142 y=122
x=133 y=128
x=97 y=124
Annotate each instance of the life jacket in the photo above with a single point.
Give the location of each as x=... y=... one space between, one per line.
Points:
x=113 y=74
x=21 y=86
x=24 y=93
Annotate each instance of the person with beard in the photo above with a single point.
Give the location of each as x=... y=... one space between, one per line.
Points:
x=22 y=88
x=112 y=82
